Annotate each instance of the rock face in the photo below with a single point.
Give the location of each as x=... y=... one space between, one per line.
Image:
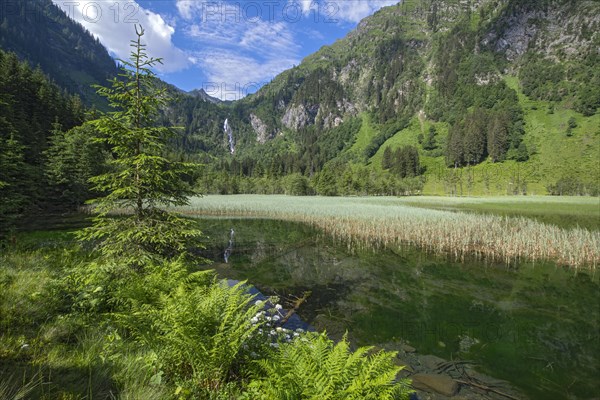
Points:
x=298 y=116
x=261 y=129
x=561 y=28
x=441 y=384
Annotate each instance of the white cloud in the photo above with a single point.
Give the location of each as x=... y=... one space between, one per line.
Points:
x=355 y=10
x=231 y=76
x=113 y=24
x=307 y=5
x=185 y=8
x=342 y=10
x=236 y=50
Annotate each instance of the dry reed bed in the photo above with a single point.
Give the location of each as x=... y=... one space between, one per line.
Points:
x=360 y=221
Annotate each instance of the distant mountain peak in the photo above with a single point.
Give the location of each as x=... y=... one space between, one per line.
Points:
x=200 y=93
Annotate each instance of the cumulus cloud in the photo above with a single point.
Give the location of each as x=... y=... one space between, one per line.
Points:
x=342 y=10
x=113 y=24
x=355 y=10
x=238 y=48
x=232 y=76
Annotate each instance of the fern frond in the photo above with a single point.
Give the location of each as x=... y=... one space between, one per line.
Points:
x=313 y=367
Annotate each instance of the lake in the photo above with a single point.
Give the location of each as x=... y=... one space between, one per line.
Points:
x=535 y=325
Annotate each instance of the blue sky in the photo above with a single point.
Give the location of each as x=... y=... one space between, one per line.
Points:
x=228 y=48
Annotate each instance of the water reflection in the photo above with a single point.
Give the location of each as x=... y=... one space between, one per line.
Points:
x=229 y=248
x=535 y=326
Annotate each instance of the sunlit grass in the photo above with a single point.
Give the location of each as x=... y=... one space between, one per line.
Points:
x=564 y=211
x=46 y=350
x=387 y=221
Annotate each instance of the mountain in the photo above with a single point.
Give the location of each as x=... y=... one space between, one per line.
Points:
x=498 y=96
x=42 y=34
x=453 y=96
x=201 y=94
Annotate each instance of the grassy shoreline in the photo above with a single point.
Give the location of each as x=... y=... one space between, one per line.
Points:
x=391 y=221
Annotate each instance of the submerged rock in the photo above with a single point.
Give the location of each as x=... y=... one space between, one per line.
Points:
x=431 y=362
x=407 y=349
x=441 y=384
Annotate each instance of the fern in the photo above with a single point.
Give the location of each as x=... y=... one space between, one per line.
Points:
x=200 y=334
x=313 y=367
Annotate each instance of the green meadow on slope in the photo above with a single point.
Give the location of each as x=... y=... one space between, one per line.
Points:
x=554 y=154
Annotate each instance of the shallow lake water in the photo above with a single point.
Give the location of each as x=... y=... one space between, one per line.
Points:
x=536 y=326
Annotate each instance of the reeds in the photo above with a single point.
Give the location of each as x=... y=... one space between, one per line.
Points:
x=385 y=222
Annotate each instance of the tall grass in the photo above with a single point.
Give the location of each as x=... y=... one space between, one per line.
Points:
x=387 y=222
x=12 y=388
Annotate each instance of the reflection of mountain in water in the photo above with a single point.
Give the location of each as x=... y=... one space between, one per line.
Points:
x=483 y=312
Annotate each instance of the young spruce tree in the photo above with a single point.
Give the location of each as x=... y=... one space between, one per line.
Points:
x=141 y=180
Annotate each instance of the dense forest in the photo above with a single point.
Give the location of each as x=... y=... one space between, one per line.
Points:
x=41 y=33
x=42 y=168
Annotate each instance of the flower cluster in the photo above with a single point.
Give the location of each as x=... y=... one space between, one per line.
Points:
x=271 y=322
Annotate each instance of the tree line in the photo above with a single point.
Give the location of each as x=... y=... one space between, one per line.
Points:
x=33 y=111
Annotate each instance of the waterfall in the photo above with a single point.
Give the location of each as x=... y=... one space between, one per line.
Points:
x=229 y=133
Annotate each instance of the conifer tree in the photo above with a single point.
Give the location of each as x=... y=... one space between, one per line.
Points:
x=387 y=160
x=72 y=158
x=141 y=180
x=430 y=142
x=13 y=196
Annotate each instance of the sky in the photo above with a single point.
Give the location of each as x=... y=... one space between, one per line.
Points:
x=228 y=48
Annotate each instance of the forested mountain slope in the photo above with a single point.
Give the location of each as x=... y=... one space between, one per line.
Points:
x=42 y=34
x=454 y=96
x=34 y=113
x=502 y=92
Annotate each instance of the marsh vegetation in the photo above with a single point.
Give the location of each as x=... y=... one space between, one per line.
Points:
x=531 y=324
x=391 y=222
